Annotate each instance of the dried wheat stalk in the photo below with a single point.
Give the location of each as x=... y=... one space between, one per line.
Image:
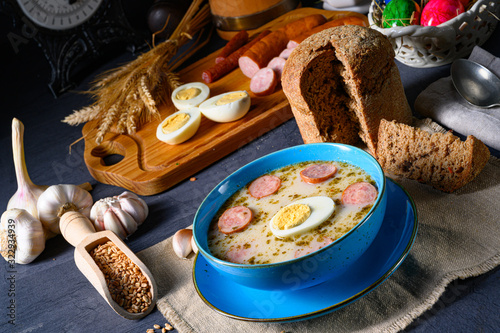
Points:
x=128 y=96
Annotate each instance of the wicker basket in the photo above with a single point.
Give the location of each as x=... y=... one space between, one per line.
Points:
x=419 y=46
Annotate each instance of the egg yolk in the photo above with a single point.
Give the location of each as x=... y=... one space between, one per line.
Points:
x=175 y=122
x=291 y=216
x=228 y=98
x=188 y=93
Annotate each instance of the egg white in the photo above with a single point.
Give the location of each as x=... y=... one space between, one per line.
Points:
x=193 y=102
x=227 y=112
x=321 y=209
x=185 y=132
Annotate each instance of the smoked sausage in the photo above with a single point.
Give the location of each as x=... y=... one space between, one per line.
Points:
x=318 y=173
x=286 y=53
x=237 y=41
x=277 y=64
x=360 y=194
x=264 y=82
x=259 y=55
x=348 y=20
x=264 y=186
x=235 y=219
x=222 y=68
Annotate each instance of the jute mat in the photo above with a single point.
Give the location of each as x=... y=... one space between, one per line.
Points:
x=458 y=237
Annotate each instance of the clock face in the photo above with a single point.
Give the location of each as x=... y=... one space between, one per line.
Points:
x=59 y=14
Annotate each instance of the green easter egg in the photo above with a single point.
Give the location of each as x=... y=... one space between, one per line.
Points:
x=399 y=12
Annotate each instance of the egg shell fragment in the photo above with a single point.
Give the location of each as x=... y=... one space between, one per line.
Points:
x=185 y=132
x=226 y=112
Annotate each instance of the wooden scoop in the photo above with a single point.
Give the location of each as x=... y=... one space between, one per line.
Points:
x=80 y=232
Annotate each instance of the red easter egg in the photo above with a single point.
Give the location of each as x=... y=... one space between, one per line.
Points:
x=439 y=11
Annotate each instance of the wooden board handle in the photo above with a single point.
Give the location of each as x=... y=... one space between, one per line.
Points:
x=75 y=227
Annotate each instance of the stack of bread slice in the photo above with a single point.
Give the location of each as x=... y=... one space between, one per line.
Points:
x=343 y=86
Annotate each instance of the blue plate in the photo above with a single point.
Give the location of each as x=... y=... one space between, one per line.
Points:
x=383 y=257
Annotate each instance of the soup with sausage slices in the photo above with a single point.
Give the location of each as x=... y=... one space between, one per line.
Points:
x=290 y=212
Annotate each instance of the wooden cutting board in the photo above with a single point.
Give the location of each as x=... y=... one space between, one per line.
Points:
x=150 y=166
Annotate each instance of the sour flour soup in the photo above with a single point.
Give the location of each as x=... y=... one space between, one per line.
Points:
x=291 y=212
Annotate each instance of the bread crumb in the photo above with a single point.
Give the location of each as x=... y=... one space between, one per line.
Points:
x=192 y=179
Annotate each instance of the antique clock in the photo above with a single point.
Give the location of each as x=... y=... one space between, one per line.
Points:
x=73 y=34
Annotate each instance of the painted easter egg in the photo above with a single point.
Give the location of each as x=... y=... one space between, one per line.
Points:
x=439 y=11
x=400 y=13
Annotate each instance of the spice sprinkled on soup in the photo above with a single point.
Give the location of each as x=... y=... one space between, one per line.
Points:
x=290 y=212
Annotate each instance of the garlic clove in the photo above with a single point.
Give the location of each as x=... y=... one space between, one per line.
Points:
x=127 y=222
x=193 y=245
x=99 y=208
x=112 y=222
x=181 y=243
x=134 y=205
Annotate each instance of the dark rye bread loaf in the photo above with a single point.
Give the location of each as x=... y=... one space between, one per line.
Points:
x=439 y=159
x=341 y=82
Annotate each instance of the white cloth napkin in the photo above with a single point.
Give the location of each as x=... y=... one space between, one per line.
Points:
x=441 y=102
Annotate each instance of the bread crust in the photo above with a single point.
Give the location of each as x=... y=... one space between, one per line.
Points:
x=341 y=82
x=439 y=159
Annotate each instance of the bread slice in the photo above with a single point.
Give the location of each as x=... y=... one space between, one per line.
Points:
x=341 y=82
x=439 y=159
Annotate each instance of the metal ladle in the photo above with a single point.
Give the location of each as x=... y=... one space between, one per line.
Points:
x=475 y=83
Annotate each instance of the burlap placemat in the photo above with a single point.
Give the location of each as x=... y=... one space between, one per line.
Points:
x=458 y=237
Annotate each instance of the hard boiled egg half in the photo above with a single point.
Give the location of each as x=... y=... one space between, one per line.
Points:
x=301 y=216
x=190 y=95
x=179 y=126
x=226 y=107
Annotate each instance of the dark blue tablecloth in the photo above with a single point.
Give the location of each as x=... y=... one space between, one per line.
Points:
x=51 y=295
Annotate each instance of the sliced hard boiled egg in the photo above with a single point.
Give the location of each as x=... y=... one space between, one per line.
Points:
x=301 y=215
x=179 y=126
x=190 y=95
x=226 y=107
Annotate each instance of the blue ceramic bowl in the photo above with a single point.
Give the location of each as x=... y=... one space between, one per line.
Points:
x=311 y=269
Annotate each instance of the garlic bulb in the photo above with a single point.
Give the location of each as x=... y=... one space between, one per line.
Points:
x=27 y=193
x=181 y=242
x=22 y=236
x=121 y=214
x=59 y=199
